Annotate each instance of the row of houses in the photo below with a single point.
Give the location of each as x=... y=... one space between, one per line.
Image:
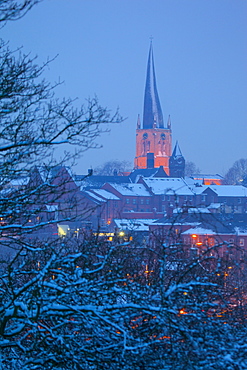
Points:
x=65 y=201
x=154 y=197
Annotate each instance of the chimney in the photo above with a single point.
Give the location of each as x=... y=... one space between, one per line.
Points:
x=150 y=160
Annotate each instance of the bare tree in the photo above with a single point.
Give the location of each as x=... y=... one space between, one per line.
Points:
x=33 y=123
x=13 y=10
x=237 y=174
x=33 y=126
x=112 y=167
x=91 y=304
x=191 y=168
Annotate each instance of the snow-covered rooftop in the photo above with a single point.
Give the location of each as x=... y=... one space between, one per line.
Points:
x=214 y=206
x=199 y=231
x=22 y=181
x=52 y=207
x=222 y=190
x=105 y=194
x=95 y=197
x=229 y=190
x=200 y=189
x=199 y=176
x=131 y=189
x=192 y=210
x=133 y=224
x=241 y=231
x=168 y=185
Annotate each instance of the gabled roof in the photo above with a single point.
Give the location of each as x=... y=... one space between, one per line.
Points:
x=169 y=185
x=229 y=190
x=104 y=194
x=223 y=190
x=131 y=190
x=86 y=182
x=199 y=230
x=217 y=223
x=19 y=182
x=147 y=172
x=197 y=190
x=97 y=199
x=50 y=172
x=201 y=176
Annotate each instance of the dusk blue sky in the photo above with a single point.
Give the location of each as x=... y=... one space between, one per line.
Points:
x=200 y=55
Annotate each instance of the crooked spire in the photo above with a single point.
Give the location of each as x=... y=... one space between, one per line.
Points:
x=152 y=113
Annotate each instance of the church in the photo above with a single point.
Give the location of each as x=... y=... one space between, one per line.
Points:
x=153 y=135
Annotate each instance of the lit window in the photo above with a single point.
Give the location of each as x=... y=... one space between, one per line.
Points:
x=241 y=242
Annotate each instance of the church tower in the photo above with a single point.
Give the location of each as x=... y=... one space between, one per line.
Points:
x=177 y=163
x=153 y=138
